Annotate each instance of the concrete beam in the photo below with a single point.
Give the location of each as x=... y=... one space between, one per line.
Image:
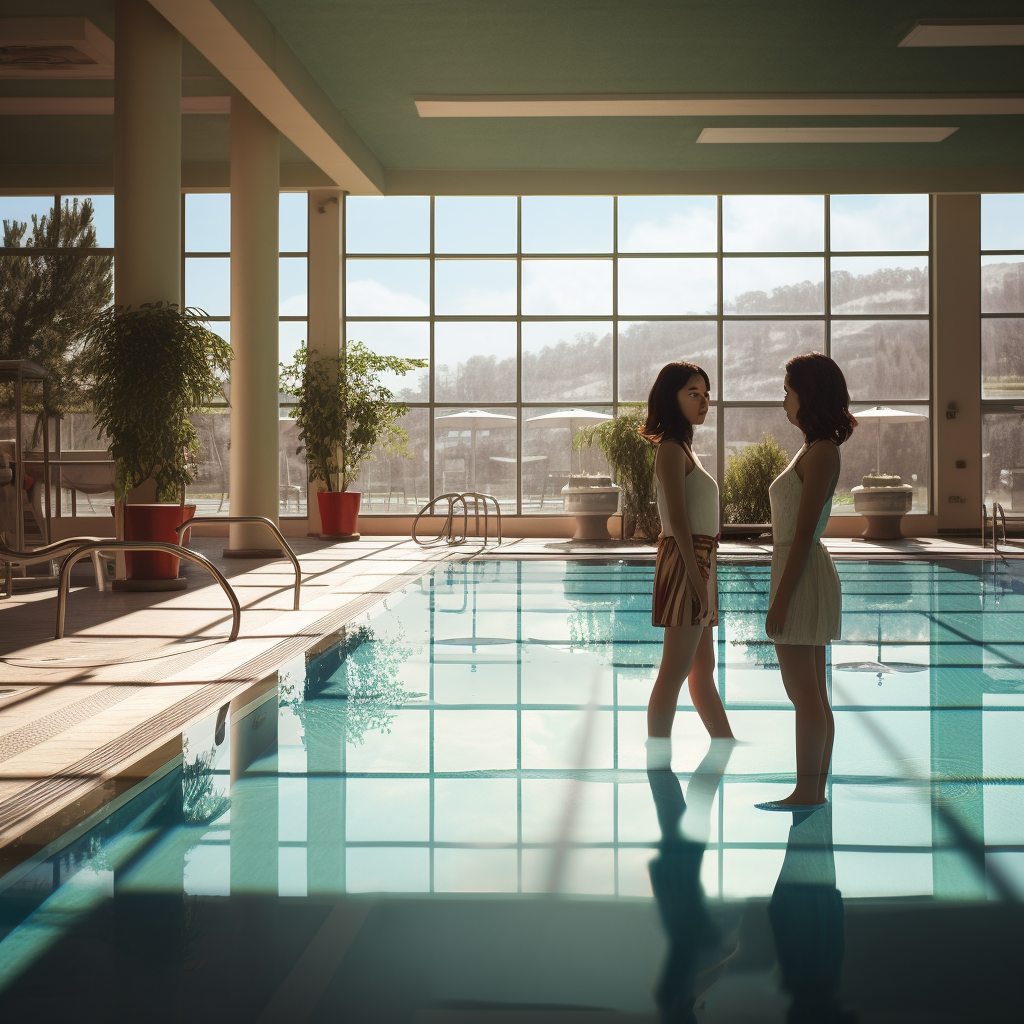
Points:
x=98 y=179
x=728 y=181
x=238 y=39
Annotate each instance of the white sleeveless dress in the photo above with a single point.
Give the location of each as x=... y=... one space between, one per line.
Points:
x=814 y=615
x=672 y=589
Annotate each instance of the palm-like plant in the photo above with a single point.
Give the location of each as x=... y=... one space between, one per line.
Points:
x=632 y=459
x=344 y=412
x=148 y=370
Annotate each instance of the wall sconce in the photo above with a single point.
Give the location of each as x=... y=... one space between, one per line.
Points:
x=951 y=411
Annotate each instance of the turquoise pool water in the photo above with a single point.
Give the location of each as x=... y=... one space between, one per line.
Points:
x=444 y=814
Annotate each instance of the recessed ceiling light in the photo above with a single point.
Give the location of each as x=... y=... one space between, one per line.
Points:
x=735 y=105
x=914 y=134
x=966 y=32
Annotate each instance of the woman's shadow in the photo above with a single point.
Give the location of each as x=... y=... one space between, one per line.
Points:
x=698 y=946
x=808 y=921
x=806 y=910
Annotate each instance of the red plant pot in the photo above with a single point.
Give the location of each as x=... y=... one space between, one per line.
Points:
x=154 y=522
x=339 y=512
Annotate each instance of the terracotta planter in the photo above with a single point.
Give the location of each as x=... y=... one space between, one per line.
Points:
x=339 y=513
x=154 y=522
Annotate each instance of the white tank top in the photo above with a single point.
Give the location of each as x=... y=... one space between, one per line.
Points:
x=701 y=497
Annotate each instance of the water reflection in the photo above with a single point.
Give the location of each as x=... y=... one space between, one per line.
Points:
x=808 y=920
x=363 y=670
x=699 y=946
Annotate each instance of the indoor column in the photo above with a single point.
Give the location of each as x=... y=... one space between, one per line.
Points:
x=326 y=233
x=147 y=171
x=255 y=187
x=956 y=358
x=147 y=156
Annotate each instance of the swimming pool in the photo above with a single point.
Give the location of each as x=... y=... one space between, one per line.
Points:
x=413 y=795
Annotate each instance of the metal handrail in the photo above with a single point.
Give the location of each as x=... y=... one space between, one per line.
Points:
x=997 y=508
x=446 y=530
x=44 y=554
x=142 y=545
x=477 y=497
x=207 y=520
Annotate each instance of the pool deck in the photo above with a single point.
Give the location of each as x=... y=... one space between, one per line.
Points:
x=85 y=719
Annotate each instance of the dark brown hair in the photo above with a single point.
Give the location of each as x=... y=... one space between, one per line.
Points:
x=665 y=420
x=824 y=413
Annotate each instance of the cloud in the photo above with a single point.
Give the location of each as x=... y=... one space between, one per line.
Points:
x=567 y=287
x=374 y=298
x=773 y=223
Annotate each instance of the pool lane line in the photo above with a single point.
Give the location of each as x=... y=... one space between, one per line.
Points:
x=973 y=849
x=574 y=793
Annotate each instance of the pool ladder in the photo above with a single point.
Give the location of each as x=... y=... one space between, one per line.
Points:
x=447 y=533
x=998 y=515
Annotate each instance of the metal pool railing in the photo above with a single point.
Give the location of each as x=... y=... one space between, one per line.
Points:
x=447 y=529
x=142 y=545
x=997 y=508
x=207 y=520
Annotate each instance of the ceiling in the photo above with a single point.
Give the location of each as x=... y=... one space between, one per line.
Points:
x=372 y=57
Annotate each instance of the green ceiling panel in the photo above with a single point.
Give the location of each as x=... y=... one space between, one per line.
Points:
x=373 y=56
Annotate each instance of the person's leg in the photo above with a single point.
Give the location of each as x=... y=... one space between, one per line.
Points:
x=830 y=722
x=703 y=691
x=676 y=660
x=800 y=677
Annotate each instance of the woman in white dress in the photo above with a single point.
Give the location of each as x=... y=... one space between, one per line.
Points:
x=805 y=598
x=685 y=591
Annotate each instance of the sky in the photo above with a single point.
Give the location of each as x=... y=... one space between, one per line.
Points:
x=400 y=225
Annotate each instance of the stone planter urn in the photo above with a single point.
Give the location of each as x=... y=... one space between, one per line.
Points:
x=883 y=501
x=591 y=499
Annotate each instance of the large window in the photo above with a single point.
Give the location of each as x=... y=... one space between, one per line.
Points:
x=1002 y=351
x=56 y=273
x=543 y=314
x=206 y=272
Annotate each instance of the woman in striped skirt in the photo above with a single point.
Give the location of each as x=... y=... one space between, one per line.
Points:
x=685 y=590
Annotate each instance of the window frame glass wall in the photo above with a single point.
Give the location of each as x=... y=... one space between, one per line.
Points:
x=729 y=412
x=293 y=482
x=1002 y=342
x=78 y=427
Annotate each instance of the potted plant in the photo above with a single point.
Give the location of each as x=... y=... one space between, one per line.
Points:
x=344 y=413
x=148 y=370
x=632 y=460
x=748 y=476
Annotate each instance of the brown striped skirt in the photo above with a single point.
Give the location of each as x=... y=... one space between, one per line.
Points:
x=673 y=594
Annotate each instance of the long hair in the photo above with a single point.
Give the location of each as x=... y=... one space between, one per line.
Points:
x=665 y=420
x=824 y=412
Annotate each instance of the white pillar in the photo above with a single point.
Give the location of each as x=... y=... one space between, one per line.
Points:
x=147 y=156
x=255 y=188
x=147 y=171
x=326 y=232
x=956 y=312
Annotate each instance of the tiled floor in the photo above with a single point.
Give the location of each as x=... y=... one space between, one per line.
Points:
x=81 y=718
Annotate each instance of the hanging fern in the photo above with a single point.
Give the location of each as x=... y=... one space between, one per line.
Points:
x=148 y=370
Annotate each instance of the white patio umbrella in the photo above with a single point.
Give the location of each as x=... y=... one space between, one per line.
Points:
x=571 y=418
x=882 y=414
x=474 y=420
